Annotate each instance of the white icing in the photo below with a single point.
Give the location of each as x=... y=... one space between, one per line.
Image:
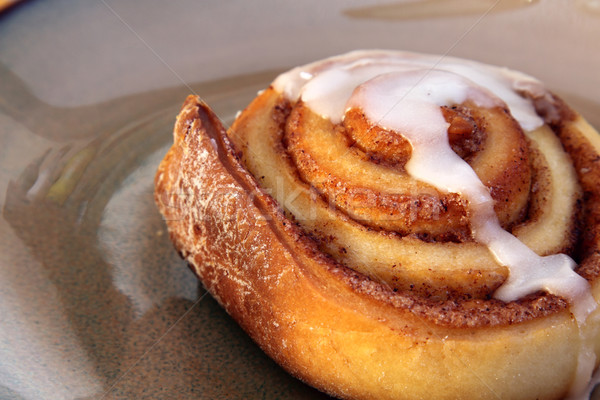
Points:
x=501 y=82
x=403 y=92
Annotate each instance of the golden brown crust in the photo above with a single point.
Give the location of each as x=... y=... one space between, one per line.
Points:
x=335 y=328
x=455 y=313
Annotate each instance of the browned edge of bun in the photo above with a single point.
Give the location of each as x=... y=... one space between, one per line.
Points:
x=271 y=278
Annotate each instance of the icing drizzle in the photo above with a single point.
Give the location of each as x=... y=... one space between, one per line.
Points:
x=403 y=92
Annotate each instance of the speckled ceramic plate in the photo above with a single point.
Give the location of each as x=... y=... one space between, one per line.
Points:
x=94 y=301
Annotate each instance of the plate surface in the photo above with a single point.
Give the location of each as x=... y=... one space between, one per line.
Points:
x=95 y=303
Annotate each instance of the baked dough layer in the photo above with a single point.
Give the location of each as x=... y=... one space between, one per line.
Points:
x=335 y=328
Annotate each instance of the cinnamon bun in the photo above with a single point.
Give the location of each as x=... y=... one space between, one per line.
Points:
x=392 y=225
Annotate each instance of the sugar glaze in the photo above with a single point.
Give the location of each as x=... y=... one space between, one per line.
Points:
x=403 y=92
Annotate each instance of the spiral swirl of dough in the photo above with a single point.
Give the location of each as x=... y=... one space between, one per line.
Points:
x=342 y=169
x=391 y=225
